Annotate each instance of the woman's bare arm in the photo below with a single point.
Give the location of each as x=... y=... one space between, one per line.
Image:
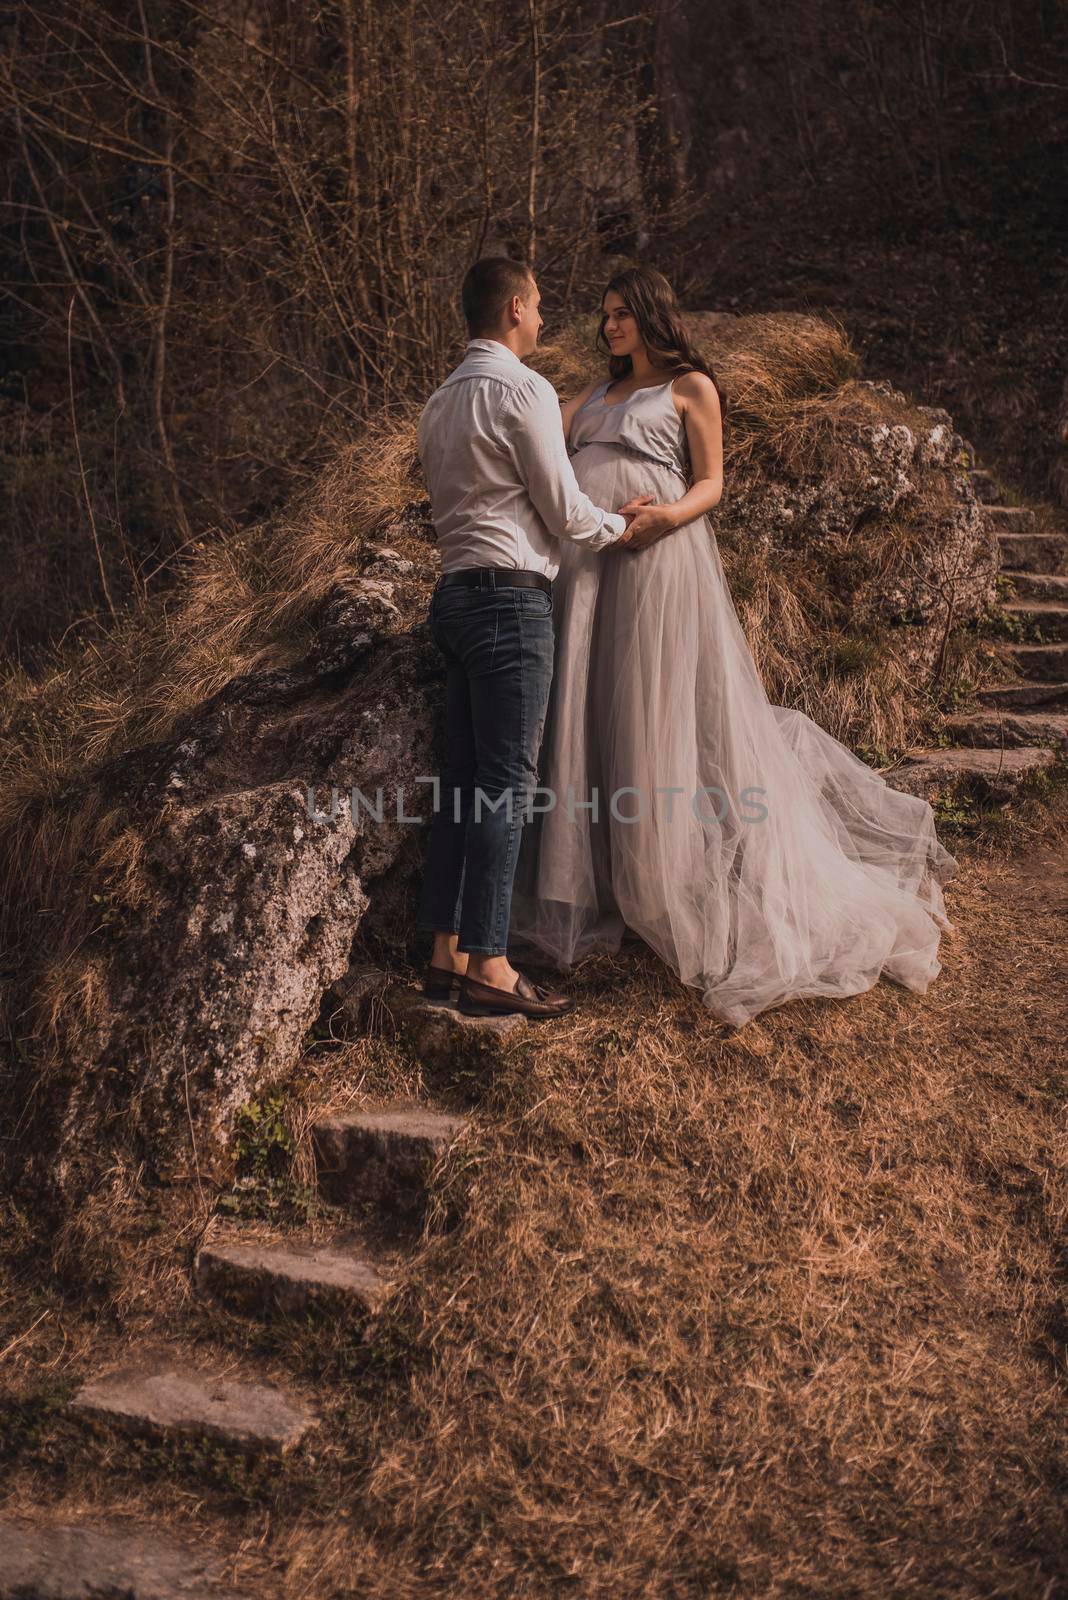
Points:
x=569 y=407
x=704 y=434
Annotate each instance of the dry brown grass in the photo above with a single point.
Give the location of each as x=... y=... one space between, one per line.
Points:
x=239 y=602
x=774 y=1312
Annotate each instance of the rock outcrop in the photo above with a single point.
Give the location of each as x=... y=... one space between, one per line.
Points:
x=264 y=828
x=894 y=535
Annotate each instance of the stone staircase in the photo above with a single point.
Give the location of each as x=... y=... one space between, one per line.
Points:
x=372 y=1161
x=1022 y=725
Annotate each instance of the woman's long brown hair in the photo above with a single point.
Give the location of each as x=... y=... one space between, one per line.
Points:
x=650 y=299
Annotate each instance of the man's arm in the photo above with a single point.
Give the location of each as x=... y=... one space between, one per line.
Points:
x=536 y=440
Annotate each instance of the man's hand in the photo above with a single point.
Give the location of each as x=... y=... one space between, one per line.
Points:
x=646 y=522
x=628 y=512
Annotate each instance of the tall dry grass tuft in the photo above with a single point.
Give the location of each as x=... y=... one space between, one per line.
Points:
x=786 y=375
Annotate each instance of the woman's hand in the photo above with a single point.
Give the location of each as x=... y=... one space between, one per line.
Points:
x=649 y=522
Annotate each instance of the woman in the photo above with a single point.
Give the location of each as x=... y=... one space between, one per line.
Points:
x=752 y=851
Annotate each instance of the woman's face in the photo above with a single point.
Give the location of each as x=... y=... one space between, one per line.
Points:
x=620 y=326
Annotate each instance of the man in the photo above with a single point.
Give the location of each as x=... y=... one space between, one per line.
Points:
x=502 y=491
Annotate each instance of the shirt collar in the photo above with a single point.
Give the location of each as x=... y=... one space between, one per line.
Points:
x=493 y=347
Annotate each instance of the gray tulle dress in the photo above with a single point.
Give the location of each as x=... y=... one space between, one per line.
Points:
x=752 y=851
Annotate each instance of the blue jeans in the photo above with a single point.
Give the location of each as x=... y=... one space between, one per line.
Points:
x=498 y=650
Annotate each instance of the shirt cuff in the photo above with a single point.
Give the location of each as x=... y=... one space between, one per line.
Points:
x=617 y=523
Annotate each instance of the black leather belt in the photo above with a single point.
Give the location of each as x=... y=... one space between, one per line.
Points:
x=496 y=578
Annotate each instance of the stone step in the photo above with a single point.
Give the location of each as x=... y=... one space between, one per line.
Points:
x=983 y=484
x=1046 y=661
x=382 y=1158
x=441 y=1035
x=260 y=1278
x=1049 y=615
x=173 y=1402
x=1010 y=519
x=1024 y=693
x=1009 y=729
x=112 y=1560
x=1000 y=772
x=1039 y=585
x=1033 y=552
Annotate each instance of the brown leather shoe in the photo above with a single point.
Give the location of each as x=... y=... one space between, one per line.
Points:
x=530 y=999
x=441 y=983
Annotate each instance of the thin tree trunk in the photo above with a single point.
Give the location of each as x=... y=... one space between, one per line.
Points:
x=159 y=376
x=535 y=130
x=160 y=341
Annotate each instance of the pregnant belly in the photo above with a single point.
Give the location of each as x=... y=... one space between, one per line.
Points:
x=611 y=476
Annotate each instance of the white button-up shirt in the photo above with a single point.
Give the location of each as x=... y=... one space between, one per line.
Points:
x=502 y=487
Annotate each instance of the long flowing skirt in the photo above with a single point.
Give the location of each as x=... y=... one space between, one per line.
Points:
x=752 y=851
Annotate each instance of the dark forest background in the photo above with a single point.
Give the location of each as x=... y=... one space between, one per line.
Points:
x=232 y=233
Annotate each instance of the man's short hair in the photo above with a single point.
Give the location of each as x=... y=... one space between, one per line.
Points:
x=488 y=287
